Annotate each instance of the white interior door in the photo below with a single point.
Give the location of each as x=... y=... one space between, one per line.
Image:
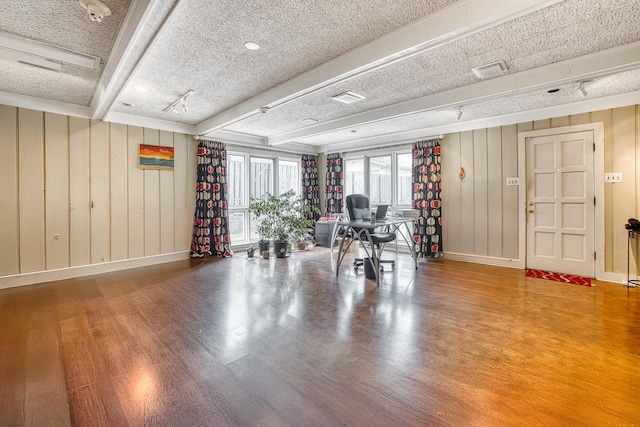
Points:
x=560 y=203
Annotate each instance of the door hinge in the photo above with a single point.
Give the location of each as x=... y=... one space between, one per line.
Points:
x=594 y=200
x=594 y=146
x=594 y=256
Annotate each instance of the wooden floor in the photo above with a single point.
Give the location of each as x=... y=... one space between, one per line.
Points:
x=282 y=342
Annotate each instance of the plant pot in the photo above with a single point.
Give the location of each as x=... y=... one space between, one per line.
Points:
x=280 y=248
x=263 y=246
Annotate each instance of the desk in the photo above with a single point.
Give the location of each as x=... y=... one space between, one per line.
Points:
x=363 y=228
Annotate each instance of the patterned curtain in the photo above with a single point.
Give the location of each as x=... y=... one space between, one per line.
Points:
x=310 y=183
x=427 y=231
x=211 y=234
x=334 y=202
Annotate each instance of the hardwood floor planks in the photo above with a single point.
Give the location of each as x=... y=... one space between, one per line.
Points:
x=276 y=342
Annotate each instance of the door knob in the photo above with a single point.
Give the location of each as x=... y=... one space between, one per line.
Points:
x=530 y=210
x=530 y=203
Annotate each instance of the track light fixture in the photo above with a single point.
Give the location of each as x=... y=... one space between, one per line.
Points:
x=180 y=106
x=459 y=114
x=581 y=90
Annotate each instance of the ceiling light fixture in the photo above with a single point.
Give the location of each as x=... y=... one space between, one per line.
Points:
x=348 y=97
x=27 y=48
x=263 y=110
x=96 y=9
x=459 y=113
x=490 y=70
x=581 y=90
x=310 y=120
x=180 y=106
x=252 y=45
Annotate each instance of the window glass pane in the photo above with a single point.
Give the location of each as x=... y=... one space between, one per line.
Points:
x=380 y=180
x=236 y=226
x=289 y=176
x=235 y=180
x=354 y=177
x=405 y=186
x=261 y=177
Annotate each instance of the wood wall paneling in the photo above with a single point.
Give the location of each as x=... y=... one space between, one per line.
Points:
x=182 y=193
x=32 y=207
x=510 y=204
x=9 y=208
x=151 y=201
x=495 y=184
x=100 y=193
x=452 y=193
x=480 y=193
x=467 y=194
x=119 y=194
x=57 y=190
x=135 y=193
x=167 y=201
x=624 y=193
x=79 y=192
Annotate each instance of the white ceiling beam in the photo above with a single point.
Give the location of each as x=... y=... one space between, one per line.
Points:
x=453 y=22
x=610 y=61
x=149 y=122
x=585 y=106
x=46 y=105
x=124 y=56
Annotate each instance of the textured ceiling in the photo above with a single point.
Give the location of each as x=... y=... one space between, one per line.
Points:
x=411 y=60
x=61 y=23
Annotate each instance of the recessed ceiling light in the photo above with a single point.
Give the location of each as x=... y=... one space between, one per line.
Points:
x=252 y=45
x=140 y=88
x=348 y=97
x=126 y=104
x=309 y=120
x=490 y=70
x=553 y=90
x=353 y=131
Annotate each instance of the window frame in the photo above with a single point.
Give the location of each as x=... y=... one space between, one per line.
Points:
x=247 y=155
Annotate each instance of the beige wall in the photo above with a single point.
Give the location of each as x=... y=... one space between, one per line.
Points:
x=480 y=212
x=72 y=193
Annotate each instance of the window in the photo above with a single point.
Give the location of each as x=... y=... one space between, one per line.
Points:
x=235 y=179
x=387 y=178
x=289 y=176
x=261 y=177
x=404 y=180
x=250 y=176
x=380 y=180
x=354 y=177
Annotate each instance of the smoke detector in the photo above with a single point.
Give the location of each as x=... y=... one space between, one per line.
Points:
x=96 y=9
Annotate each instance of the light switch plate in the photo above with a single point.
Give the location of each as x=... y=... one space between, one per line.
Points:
x=613 y=177
x=513 y=181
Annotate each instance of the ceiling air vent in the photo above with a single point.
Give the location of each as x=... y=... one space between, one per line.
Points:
x=490 y=70
x=348 y=97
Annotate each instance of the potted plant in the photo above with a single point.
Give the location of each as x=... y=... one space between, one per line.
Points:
x=281 y=218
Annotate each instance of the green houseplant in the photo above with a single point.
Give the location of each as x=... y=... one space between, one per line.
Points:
x=281 y=218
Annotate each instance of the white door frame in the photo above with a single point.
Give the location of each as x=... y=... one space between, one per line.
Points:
x=598 y=174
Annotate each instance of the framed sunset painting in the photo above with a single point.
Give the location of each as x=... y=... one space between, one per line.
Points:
x=156 y=157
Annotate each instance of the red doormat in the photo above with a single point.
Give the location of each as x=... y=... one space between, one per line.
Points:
x=559 y=277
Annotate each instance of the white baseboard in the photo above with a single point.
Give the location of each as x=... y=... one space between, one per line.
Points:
x=486 y=260
x=88 y=270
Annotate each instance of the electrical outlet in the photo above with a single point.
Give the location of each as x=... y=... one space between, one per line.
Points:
x=613 y=177
x=513 y=181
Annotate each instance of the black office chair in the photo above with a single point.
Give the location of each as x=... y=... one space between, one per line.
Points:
x=358 y=209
